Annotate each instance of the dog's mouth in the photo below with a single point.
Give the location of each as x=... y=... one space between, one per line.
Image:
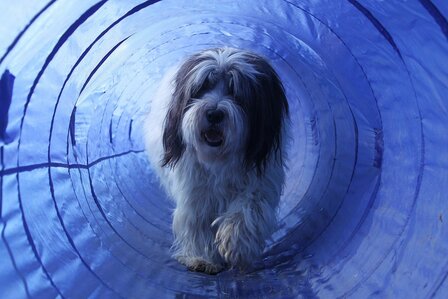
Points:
x=213 y=137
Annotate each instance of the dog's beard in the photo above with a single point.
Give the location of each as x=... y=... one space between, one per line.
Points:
x=214 y=143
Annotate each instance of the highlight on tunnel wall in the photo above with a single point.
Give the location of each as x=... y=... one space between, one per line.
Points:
x=364 y=210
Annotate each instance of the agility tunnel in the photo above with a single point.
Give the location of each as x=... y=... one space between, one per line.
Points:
x=365 y=207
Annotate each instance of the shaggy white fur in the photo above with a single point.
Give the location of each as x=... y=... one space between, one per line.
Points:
x=226 y=185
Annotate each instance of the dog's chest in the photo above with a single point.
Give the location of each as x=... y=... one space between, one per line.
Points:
x=213 y=193
x=219 y=191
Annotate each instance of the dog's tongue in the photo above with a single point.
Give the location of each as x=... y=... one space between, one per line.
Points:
x=213 y=137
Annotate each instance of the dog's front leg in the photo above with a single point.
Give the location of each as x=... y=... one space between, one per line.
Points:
x=194 y=241
x=244 y=228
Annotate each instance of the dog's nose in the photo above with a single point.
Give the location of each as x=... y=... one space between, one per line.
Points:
x=215 y=116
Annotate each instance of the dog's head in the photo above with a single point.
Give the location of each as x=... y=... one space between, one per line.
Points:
x=226 y=103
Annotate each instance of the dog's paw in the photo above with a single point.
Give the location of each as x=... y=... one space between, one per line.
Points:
x=200 y=265
x=203 y=266
x=237 y=244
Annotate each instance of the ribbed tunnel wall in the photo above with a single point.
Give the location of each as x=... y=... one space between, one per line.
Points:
x=365 y=206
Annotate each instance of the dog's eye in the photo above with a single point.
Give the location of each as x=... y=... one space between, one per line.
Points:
x=207 y=84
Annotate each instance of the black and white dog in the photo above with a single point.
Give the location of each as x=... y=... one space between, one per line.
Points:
x=215 y=136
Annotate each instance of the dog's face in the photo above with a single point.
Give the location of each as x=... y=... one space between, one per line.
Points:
x=213 y=124
x=226 y=104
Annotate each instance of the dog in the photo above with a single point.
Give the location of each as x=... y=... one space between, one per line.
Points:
x=215 y=135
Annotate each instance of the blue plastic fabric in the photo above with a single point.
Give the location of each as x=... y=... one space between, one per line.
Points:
x=365 y=207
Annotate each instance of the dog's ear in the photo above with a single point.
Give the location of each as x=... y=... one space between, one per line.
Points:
x=186 y=86
x=264 y=101
x=172 y=139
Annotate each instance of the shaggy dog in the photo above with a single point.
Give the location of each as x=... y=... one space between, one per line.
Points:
x=215 y=137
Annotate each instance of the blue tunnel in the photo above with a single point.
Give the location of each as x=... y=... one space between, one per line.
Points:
x=364 y=212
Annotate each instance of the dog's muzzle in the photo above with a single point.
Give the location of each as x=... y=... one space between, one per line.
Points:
x=213 y=135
